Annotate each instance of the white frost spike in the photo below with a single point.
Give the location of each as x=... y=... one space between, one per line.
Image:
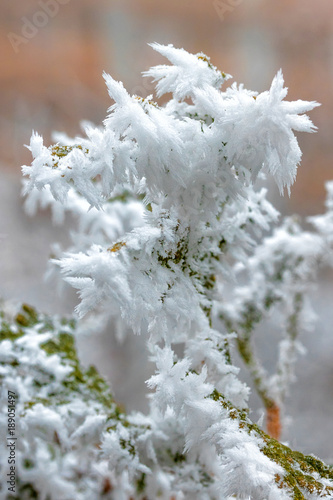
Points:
x=169 y=243
x=187 y=73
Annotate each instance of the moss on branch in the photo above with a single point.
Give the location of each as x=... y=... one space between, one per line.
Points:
x=304 y=475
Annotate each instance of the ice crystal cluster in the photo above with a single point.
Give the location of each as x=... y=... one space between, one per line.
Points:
x=176 y=242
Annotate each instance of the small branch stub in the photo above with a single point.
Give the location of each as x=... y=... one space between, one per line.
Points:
x=273 y=421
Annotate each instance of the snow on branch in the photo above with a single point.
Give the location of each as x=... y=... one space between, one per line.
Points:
x=170 y=244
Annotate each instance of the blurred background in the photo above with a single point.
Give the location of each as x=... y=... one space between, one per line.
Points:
x=53 y=53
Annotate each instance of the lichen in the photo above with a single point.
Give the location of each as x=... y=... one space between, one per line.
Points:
x=58 y=152
x=117 y=246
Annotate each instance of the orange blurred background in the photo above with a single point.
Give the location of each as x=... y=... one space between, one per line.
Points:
x=53 y=53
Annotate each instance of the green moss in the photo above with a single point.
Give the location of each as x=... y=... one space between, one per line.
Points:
x=7 y=333
x=270 y=300
x=281 y=269
x=176 y=457
x=88 y=383
x=299 y=469
x=209 y=282
x=45 y=402
x=27 y=317
x=97 y=385
x=141 y=484
x=302 y=474
x=205 y=479
x=250 y=317
x=292 y=326
x=246 y=352
x=179 y=457
x=127 y=445
x=179 y=256
x=28 y=464
x=25 y=492
x=62 y=344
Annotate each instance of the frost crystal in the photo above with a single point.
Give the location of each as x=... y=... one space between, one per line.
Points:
x=169 y=244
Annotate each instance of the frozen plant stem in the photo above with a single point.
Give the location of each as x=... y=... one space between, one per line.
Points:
x=57 y=419
x=284 y=371
x=168 y=216
x=273 y=421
